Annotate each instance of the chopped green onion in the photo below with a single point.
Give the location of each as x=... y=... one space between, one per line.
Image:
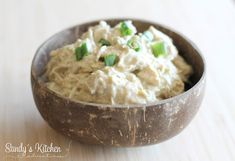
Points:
x=148 y=35
x=125 y=30
x=81 y=51
x=109 y=60
x=104 y=42
x=159 y=49
x=134 y=44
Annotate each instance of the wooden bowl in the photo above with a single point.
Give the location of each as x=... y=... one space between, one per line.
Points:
x=112 y=125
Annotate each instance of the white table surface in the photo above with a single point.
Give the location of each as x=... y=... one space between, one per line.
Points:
x=210 y=24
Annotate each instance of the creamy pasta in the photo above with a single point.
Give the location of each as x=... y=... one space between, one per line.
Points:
x=117 y=65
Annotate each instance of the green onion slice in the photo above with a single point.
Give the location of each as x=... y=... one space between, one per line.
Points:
x=148 y=35
x=110 y=60
x=134 y=44
x=159 y=49
x=125 y=30
x=104 y=42
x=81 y=51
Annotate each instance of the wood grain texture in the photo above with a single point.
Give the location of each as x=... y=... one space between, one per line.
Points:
x=25 y=24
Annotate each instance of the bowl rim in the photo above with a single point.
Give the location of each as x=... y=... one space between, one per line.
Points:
x=155 y=103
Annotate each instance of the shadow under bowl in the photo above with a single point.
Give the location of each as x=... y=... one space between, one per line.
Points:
x=111 y=125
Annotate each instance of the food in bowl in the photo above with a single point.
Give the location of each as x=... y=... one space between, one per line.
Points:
x=118 y=65
x=118 y=125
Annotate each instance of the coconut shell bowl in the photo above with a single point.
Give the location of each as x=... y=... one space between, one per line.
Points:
x=118 y=125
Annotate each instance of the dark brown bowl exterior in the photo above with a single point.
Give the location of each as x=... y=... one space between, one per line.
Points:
x=135 y=125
